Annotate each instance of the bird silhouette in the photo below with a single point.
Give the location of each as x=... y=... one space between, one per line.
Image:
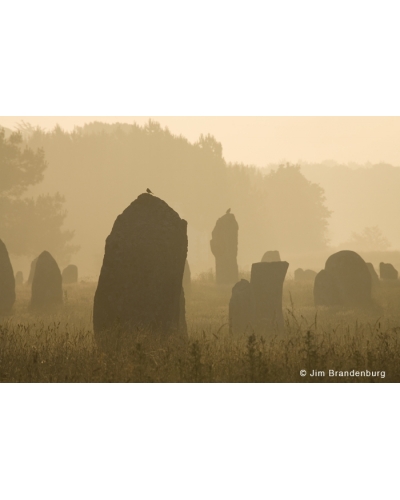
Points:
x=228 y=211
x=148 y=191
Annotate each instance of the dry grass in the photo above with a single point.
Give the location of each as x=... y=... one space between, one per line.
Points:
x=59 y=346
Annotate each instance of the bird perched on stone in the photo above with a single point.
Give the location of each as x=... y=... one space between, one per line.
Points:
x=228 y=211
x=148 y=191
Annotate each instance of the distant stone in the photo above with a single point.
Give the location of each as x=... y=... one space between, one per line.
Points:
x=70 y=275
x=140 y=283
x=47 y=283
x=7 y=281
x=32 y=271
x=187 y=281
x=267 y=286
x=307 y=275
x=345 y=281
x=271 y=256
x=387 y=272
x=240 y=308
x=374 y=275
x=224 y=246
x=19 y=278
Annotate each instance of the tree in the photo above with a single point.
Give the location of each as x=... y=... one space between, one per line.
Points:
x=27 y=225
x=370 y=239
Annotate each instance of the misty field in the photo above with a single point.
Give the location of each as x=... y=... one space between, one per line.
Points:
x=60 y=347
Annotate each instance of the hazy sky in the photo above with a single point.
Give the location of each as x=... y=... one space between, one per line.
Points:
x=262 y=140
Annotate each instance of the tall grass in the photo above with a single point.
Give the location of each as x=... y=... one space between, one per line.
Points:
x=60 y=347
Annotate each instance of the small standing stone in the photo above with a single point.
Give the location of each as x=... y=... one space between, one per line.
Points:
x=47 y=283
x=388 y=272
x=70 y=275
x=32 y=271
x=307 y=275
x=271 y=256
x=7 y=281
x=19 y=278
x=240 y=308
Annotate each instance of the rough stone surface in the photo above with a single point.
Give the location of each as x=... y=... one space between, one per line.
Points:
x=345 y=281
x=307 y=275
x=19 y=278
x=32 y=271
x=271 y=256
x=70 y=275
x=267 y=285
x=187 y=281
x=140 y=283
x=224 y=246
x=7 y=281
x=387 y=272
x=240 y=308
x=47 y=283
x=375 y=281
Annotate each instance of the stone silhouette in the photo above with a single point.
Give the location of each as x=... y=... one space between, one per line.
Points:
x=224 y=246
x=271 y=256
x=140 y=283
x=32 y=271
x=374 y=275
x=7 y=281
x=307 y=275
x=388 y=272
x=70 y=274
x=19 y=278
x=345 y=281
x=47 y=283
x=187 y=281
x=267 y=286
x=241 y=308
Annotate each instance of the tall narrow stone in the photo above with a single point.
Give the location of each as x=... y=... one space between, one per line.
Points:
x=267 y=286
x=187 y=281
x=224 y=246
x=7 y=281
x=47 y=283
x=140 y=283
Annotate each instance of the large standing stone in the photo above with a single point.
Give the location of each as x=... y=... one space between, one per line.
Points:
x=374 y=275
x=32 y=271
x=388 y=272
x=7 y=281
x=187 y=281
x=140 y=283
x=267 y=286
x=224 y=246
x=307 y=275
x=70 y=275
x=47 y=283
x=19 y=278
x=271 y=256
x=240 y=308
x=345 y=281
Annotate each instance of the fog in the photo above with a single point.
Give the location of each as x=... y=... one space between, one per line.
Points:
x=348 y=179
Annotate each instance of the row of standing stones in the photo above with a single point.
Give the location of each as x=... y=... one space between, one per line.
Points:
x=145 y=276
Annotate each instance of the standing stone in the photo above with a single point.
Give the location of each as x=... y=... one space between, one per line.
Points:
x=32 y=271
x=271 y=256
x=267 y=286
x=187 y=281
x=240 y=308
x=374 y=275
x=70 y=275
x=387 y=272
x=19 y=278
x=224 y=246
x=345 y=281
x=7 y=281
x=307 y=275
x=140 y=283
x=47 y=283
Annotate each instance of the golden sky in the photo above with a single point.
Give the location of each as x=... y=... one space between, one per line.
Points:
x=262 y=140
